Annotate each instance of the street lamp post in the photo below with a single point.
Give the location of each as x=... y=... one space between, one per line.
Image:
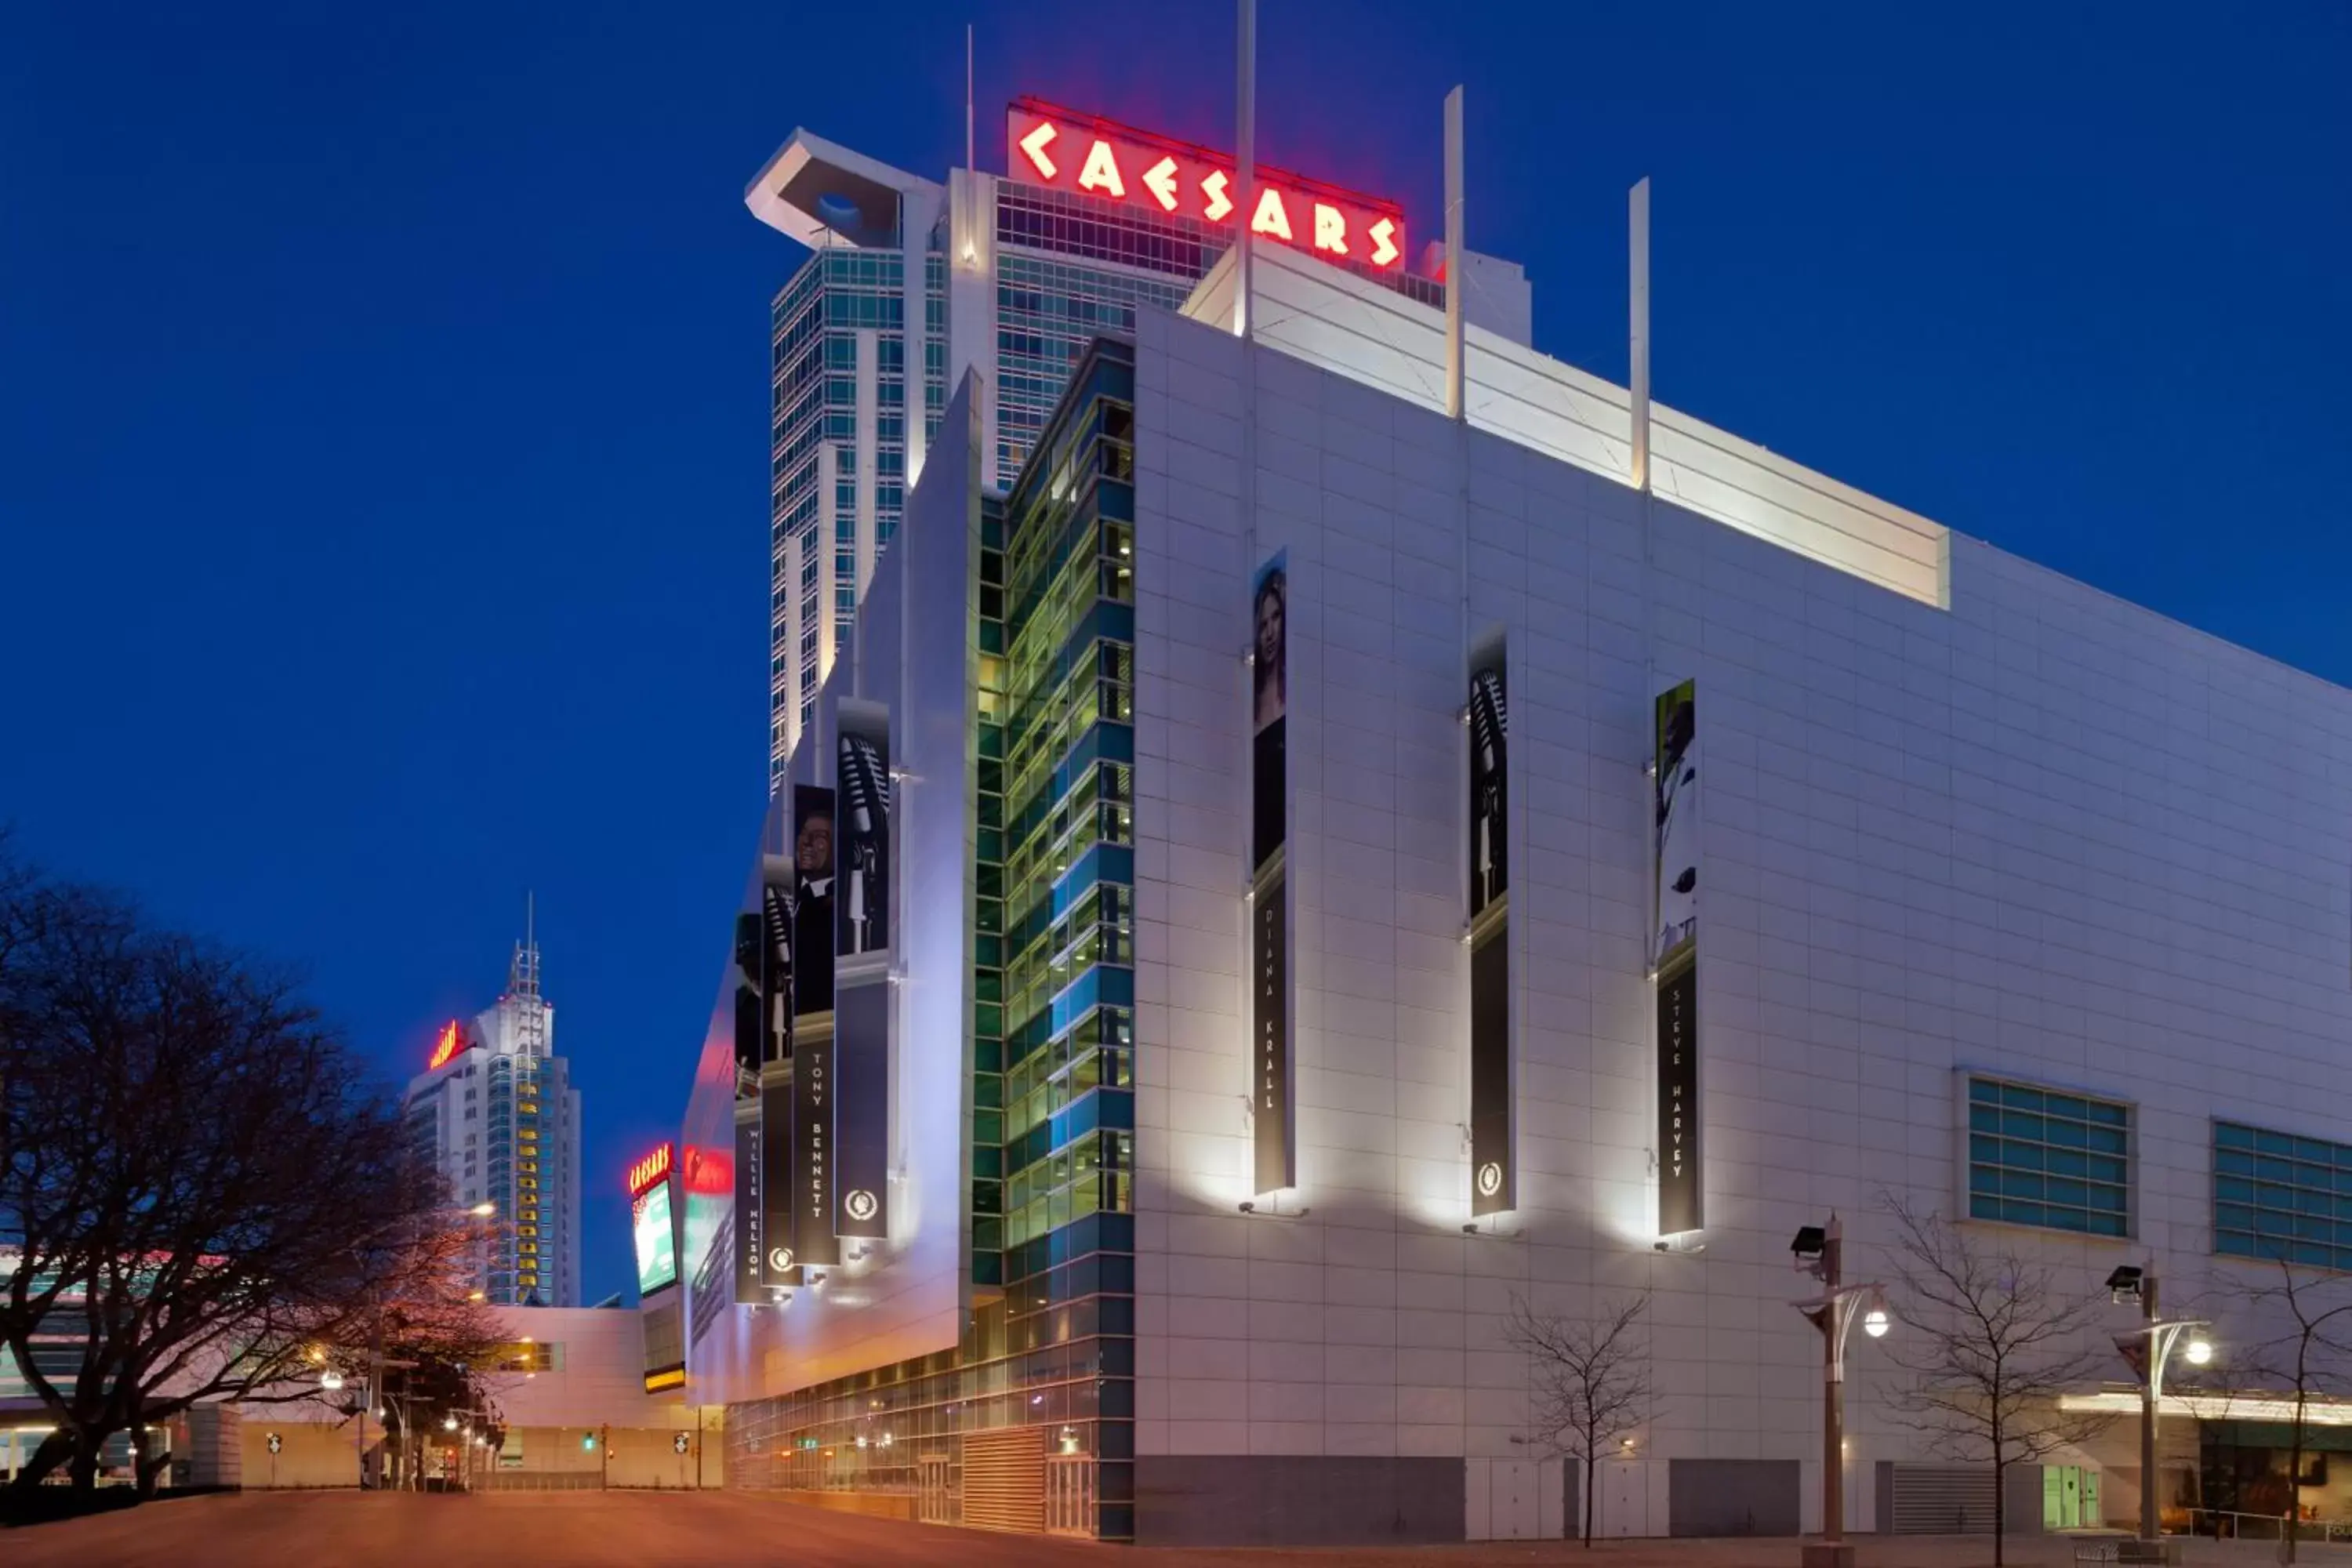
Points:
x=467 y=1438
x=2150 y=1359
x=1819 y=1252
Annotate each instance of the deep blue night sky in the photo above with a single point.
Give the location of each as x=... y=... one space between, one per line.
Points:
x=382 y=409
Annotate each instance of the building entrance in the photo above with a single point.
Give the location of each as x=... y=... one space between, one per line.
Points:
x=1070 y=1495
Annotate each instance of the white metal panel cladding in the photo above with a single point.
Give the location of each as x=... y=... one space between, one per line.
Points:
x=2043 y=833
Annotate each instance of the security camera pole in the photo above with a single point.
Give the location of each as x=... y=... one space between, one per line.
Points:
x=1818 y=1250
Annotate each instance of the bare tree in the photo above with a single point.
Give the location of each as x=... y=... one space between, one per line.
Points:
x=197 y=1181
x=1591 y=1383
x=1992 y=1341
x=2309 y=1354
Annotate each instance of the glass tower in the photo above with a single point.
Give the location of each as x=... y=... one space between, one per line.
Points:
x=840 y=408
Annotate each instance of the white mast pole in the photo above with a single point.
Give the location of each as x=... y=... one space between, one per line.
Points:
x=1637 y=211
x=1454 y=280
x=1245 y=139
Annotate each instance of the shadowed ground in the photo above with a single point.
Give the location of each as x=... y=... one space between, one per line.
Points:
x=724 y=1530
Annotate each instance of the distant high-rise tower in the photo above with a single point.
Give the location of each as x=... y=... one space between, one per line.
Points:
x=495 y=1111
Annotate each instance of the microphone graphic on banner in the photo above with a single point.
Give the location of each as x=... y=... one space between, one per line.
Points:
x=866 y=791
x=776 y=904
x=1488 y=724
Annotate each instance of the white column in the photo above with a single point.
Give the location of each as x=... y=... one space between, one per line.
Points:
x=918 y=211
x=828 y=510
x=1246 y=157
x=1456 y=281
x=869 y=411
x=791 y=580
x=971 y=299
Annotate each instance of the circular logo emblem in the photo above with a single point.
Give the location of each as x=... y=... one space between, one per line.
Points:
x=1490 y=1179
x=859 y=1206
x=781 y=1260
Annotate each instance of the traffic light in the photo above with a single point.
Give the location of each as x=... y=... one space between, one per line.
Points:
x=587 y=1442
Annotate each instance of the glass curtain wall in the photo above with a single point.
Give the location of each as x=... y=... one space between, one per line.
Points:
x=1051 y=1341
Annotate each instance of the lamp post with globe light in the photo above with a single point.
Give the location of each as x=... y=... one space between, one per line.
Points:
x=1818 y=1250
x=2148 y=1348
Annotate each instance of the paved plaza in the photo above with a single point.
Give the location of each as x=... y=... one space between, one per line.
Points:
x=735 y=1529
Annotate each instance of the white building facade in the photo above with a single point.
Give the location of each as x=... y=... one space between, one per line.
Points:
x=496 y=1113
x=2011 y=903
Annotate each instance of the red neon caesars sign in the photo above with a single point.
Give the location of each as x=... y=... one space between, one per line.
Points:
x=649 y=1170
x=1049 y=146
x=445 y=1047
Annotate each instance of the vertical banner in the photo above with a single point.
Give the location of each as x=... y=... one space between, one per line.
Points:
x=773 y=934
x=1274 y=1160
x=763 y=1045
x=811 y=1185
x=862 y=933
x=751 y=1230
x=1674 y=960
x=1493 y=1169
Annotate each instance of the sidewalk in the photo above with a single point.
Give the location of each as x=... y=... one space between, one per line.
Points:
x=1871 y=1552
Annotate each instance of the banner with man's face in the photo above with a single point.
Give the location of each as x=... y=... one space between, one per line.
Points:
x=814 y=896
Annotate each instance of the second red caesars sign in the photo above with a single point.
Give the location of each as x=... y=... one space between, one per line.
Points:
x=649 y=1169
x=1071 y=152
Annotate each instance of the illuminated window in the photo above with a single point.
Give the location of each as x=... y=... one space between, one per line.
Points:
x=2049 y=1158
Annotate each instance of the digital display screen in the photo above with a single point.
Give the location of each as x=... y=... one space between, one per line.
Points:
x=656 y=1240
